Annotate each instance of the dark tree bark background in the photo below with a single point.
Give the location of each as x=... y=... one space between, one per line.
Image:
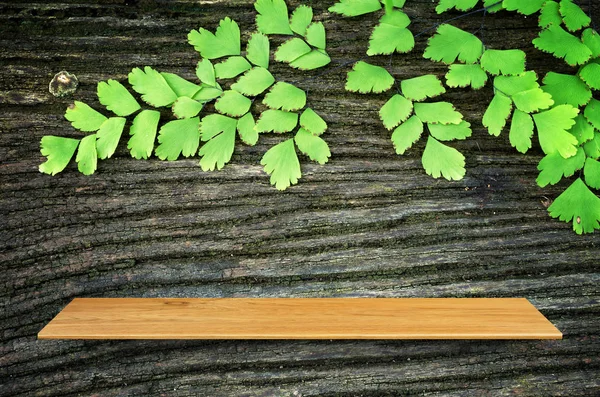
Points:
x=369 y=223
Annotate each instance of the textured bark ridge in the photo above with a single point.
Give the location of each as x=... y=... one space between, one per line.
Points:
x=369 y=223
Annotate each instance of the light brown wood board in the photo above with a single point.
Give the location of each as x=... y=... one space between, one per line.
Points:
x=300 y=318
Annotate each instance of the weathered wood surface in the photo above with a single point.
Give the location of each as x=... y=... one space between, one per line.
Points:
x=370 y=223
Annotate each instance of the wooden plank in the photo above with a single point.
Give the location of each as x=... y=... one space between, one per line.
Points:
x=300 y=318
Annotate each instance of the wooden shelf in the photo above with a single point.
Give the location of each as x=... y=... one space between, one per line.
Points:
x=300 y=318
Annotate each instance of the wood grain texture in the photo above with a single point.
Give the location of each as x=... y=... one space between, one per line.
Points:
x=299 y=318
x=368 y=224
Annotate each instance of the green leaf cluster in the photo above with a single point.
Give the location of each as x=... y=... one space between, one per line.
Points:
x=475 y=62
x=281 y=161
x=569 y=137
x=102 y=143
x=305 y=51
x=157 y=90
x=562 y=110
x=211 y=136
x=408 y=116
x=564 y=44
x=577 y=203
x=551 y=109
x=391 y=35
x=550 y=11
x=564 y=12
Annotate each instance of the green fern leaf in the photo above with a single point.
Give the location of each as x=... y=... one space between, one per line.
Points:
x=550 y=14
x=553 y=167
x=116 y=98
x=466 y=75
x=214 y=124
x=395 y=111
x=591 y=39
x=292 y=50
x=58 y=152
x=521 y=131
x=87 y=156
x=225 y=41
x=178 y=137
x=185 y=107
x=450 y=132
x=437 y=113
x=573 y=16
x=143 y=133
x=254 y=82
x=511 y=85
x=232 y=67
x=83 y=117
x=313 y=60
x=579 y=204
x=553 y=126
x=312 y=146
x=441 y=160
x=450 y=43
x=391 y=35
x=233 y=104
x=218 y=151
x=555 y=40
x=591 y=171
x=567 y=89
x=206 y=72
x=461 y=5
x=526 y=7
x=301 y=18
x=108 y=136
x=582 y=130
x=246 y=130
x=422 y=87
x=285 y=96
x=497 y=113
x=276 y=121
x=406 y=134
x=592 y=148
x=152 y=85
x=315 y=35
x=592 y=113
x=180 y=86
x=532 y=100
x=365 y=78
x=207 y=93
x=590 y=74
x=258 y=50
x=506 y=62
x=352 y=8
x=272 y=17
x=281 y=162
x=312 y=122
x=219 y=134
